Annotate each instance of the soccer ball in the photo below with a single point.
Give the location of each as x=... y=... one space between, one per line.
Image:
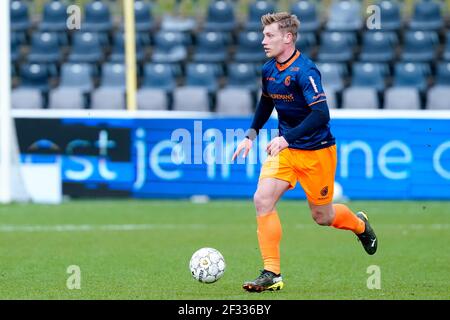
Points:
x=207 y=265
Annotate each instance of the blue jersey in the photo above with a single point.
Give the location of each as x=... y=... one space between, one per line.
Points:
x=295 y=88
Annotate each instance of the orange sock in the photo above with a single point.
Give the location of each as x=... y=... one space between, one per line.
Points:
x=347 y=220
x=269 y=236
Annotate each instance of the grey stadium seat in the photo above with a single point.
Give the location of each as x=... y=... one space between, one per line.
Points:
x=66 y=98
x=331 y=97
x=234 y=101
x=402 y=98
x=26 y=98
x=360 y=98
x=108 y=99
x=438 y=97
x=152 y=99
x=190 y=99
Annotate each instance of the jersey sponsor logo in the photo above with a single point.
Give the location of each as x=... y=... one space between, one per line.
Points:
x=324 y=191
x=284 y=97
x=270 y=79
x=294 y=69
x=313 y=83
x=287 y=81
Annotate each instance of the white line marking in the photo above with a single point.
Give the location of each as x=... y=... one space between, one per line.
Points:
x=93 y=227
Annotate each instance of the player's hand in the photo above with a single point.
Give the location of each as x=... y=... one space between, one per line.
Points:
x=245 y=145
x=276 y=146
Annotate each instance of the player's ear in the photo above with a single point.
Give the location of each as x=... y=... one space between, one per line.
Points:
x=288 y=37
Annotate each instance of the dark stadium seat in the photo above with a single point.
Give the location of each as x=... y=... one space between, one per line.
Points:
x=408 y=74
x=305 y=42
x=34 y=75
x=220 y=16
x=332 y=75
x=86 y=47
x=210 y=47
x=170 y=47
x=446 y=53
x=45 y=48
x=97 y=17
x=243 y=75
x=438 y=98
x=201 y=75
x=402 y=98
x=143 y=16
x=306 y=11
x=256 y=9
x=234 y=102
x=249 y=47
x=419 y=46
x=391 y=19
x=113 y=75
x=369 y=75
x=159 y=76
x=118 y=49
x=345 y=15
x=378 y=46
x=15 y=47
x=443 y=74
x=335 y=47
x=20 y=20
x=427 y=16
x=54 y=17
x=77 y=75
x=360 y=98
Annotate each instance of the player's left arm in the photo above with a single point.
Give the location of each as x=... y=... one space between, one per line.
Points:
x=311 y=85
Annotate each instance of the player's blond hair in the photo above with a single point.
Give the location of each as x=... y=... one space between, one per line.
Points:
x=286 y=22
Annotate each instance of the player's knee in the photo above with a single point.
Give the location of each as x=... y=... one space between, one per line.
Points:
x=263 y=202
x=321 y=218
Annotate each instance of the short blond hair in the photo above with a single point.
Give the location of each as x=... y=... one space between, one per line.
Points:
x=286 y=22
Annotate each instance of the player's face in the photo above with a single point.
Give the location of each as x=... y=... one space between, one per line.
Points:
x=274 y=40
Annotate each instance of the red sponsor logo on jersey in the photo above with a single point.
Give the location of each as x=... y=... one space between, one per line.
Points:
x=294 y=69
x=287 y=81
x=270 y=79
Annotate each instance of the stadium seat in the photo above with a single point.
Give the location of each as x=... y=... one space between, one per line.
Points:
x=118 y=49
x=26 y=98
x=20 y=20
x=152 y=99
x=243 y=75
x=360 y=98
x=97 y=17
x=369 y=75
x=335 y=47
x=426 y=16
x=86 y=47
x=190 y=99
x=45 y=48
x=54 y=18
x=402 y=98
x=438 y=97
x=256 y=9
x=143 y=16
x=378 y=46
x=169 y=47
x=442 y=77
x=66 y=98
x=446 y=53
x=345 y=15
x=419 y=46
x=305 y=42
x=34 y=75
x=201 y=75
x=15 y=47
x=113 y=76
x=220 y=16
x=331 y=97
x=249 y=47
x=158 y=76
x=306 y=11
x=411 y=75
x=108 y=98
x=390 y=13
x=234 y=102
x=76 y=75
x=211 y=47
x=332 y=75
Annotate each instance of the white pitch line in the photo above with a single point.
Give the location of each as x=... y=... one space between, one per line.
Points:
x=93 y=227
x=435 y=226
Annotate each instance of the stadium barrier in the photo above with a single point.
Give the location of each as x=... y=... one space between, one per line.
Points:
x=381 y=154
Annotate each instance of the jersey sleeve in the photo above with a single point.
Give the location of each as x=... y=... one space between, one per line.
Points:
x=311 y=84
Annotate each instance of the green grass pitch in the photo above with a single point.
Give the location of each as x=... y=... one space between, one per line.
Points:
x=141 y=249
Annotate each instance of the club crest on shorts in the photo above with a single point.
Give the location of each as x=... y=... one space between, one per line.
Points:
x=324 y=191
x=287 y=81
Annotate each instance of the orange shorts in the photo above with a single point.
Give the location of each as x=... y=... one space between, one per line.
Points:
x=314 y=169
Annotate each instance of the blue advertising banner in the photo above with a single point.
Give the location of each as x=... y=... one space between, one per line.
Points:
x=178 y=158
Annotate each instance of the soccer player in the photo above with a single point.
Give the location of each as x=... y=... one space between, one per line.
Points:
x=304 y=151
